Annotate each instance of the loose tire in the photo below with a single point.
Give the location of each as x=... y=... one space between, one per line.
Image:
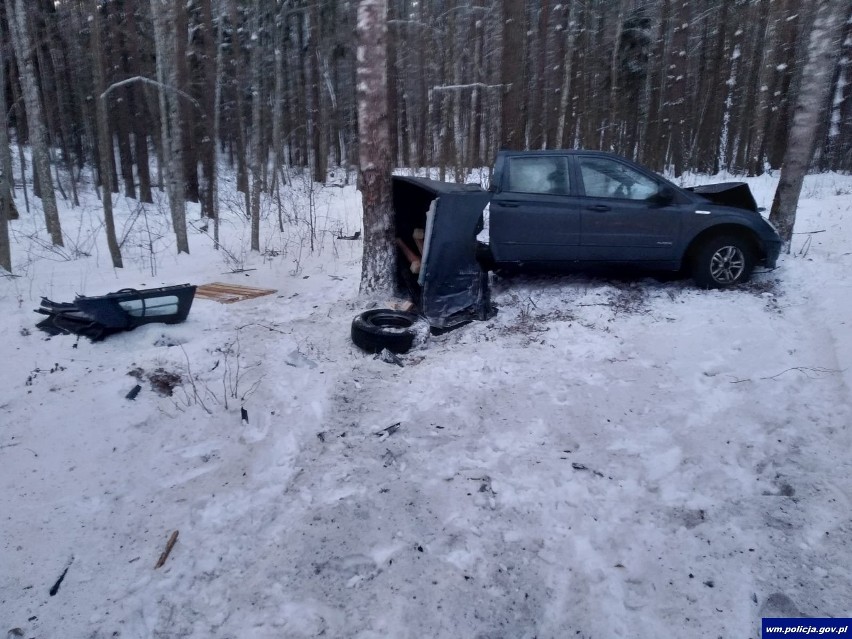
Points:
x=722 y=262
x=382 y=328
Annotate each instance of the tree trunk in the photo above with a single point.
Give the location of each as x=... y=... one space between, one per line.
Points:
x=316 y=119
x=170 y=121
x=239 y=85
x=823 y=52
x=141 y=114
x=187 y=114
x=677 y=94
x=208 y=107
x=104 y=138
x=7 y=179
x=35 y=118
x=216 y=126
x=512 y=72
x=256 y=100
x=6 y=203
x=567 y=73
x=378 y=266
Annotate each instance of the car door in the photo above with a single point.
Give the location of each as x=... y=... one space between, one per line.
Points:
x=625 y=214
x=533 y=217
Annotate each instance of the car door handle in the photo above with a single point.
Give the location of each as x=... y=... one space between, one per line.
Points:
x=599 y=207
x=509 y=204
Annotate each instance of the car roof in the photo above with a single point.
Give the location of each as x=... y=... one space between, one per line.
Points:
x=561 y=152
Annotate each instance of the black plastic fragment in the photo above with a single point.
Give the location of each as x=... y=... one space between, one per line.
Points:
x=55 y=588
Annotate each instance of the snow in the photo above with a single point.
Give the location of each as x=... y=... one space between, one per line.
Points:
x=607 y=457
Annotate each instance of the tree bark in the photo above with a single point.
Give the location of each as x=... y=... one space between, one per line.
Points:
x=170 y=121
x=187 y=114
x=567 y=74
x=256 y=149
x=823 y=52
x=35 y=117
x=141 y=114
x=378 y=266
x=6 y=203
x=512 y=72
x=237 y=63
x=104 y=138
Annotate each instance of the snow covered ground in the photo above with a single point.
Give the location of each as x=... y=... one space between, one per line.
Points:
x=605 y=458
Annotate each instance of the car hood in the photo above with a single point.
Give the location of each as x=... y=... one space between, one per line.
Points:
x=734 y=194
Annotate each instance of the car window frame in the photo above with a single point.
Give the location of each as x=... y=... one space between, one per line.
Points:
x=569 y=174
x=580 y=183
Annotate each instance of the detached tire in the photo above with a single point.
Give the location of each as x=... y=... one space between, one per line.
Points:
x=382 y=328
x=722 y=262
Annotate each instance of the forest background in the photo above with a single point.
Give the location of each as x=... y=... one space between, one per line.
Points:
x=270 y=86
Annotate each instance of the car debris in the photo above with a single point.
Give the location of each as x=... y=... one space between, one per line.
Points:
x=97 y=317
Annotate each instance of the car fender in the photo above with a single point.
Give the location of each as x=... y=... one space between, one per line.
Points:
x=721 y=223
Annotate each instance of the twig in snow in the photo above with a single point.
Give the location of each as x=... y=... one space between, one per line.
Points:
x=169 y=545
x=805 y=370
x=802 y=369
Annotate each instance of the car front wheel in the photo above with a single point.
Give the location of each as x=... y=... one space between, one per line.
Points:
x=722 y=262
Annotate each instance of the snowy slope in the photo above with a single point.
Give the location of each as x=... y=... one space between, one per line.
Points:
x=605 y=458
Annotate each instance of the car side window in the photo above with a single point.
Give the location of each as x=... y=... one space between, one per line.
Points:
x=539 y=175
x=606 y=178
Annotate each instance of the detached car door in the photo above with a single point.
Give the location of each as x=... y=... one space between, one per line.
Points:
x=533 y=216
x=626 y=215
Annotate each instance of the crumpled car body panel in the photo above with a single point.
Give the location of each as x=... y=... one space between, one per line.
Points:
x=451 y=287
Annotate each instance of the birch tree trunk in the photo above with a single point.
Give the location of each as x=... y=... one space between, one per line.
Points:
x=823 y=52
x=378 y=266
x=256 y=146
x=170 y=121
x=104 y=137
x=217 y=122
x=21 y=40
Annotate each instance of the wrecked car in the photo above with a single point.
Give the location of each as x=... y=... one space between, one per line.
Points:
x=558 y=210
x=436 y=226
x=564 y=209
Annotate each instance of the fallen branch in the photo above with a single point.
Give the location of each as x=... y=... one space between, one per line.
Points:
x=169 y=545
x=802 y=369
x=805 y=370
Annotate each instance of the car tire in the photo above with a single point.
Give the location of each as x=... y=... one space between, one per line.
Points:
x=723 y=261
x=383 y=328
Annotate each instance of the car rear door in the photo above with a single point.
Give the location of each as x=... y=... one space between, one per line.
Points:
x=623 y=216
x=533 y=216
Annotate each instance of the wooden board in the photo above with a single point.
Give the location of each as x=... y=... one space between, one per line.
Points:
x=230 y=293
